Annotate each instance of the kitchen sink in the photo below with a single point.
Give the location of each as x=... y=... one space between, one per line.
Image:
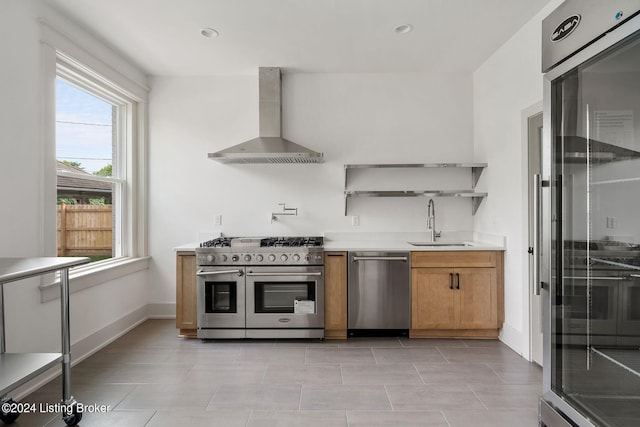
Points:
x=438 y=244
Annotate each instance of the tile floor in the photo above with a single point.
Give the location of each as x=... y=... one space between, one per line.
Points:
x=150 y=377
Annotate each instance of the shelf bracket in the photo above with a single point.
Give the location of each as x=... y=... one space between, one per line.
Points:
x=476 y=171
x=475 y=203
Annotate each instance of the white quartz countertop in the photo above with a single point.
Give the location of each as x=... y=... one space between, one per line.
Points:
x=391 y=241
x=450 y=241
x=187 y=247
x=396 y=245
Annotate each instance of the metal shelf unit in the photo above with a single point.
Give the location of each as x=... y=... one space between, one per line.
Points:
x=18 y=368
x=628 y=359
x=476 y=172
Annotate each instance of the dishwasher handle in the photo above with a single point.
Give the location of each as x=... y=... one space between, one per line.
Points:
x=380 y=258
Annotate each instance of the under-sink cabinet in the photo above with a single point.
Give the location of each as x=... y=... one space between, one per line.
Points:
x=335 y=295
x=457 y=294
x=186 y=315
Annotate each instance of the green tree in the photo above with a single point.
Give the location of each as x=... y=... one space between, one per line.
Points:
x=76 y=165
x=105 y=171
x=67 y=201
x=97 y=201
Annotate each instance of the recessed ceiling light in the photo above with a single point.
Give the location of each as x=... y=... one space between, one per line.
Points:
x=403 y=29
x=209 y=32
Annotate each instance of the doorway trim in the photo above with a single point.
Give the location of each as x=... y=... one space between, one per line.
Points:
x=526 y=114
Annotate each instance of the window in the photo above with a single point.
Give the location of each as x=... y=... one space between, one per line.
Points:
x=94 y=158
x=88 y=175
x=97 y=203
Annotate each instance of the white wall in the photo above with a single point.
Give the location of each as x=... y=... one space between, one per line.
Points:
x=362 y=118
x=352 y=118
x=509 y=82
x=32 y=326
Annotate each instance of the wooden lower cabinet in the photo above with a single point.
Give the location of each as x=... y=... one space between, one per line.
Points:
x=186 y=312
x=456 y=294
x=335 y=295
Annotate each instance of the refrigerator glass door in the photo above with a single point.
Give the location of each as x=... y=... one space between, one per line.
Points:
x=595 y=236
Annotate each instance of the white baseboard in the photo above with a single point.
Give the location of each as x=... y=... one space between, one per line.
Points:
x=512 y=338
x=85 y=348
x=166 y=310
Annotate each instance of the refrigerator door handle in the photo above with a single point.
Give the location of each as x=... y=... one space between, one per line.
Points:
x=537 y=230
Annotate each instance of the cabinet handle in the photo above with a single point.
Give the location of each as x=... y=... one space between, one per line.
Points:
x=335 y=254
x=457 y=280
x=450 y=280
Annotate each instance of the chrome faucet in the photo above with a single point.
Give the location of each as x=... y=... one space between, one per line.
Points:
x=431 y=221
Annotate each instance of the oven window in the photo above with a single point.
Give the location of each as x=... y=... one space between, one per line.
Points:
x=579 y=306
x=290 y=297
x=220 y=297
x=633 y=303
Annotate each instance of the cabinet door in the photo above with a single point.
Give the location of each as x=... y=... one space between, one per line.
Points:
x=476 y=298
x=335 y=294
x=186 y=315
x=432 y=299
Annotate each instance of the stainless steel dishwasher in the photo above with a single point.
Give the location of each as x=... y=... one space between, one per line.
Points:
x=379 y=294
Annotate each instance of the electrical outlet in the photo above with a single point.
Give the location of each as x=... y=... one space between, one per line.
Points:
x=355 y=220
x=612 y=222
x=218 y=219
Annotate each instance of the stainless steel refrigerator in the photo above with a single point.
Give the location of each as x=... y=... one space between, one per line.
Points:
x=588 y=222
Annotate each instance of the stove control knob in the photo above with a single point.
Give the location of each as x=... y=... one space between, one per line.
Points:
x=307 y=257
x=272 y=257
x=210 y=258
x=284 y=257
x=235 y=258
x=259 y=258
x=296 y=257
x=224 y=258
x=247 y=257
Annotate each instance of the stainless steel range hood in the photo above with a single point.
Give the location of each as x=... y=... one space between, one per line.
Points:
x=269 y=146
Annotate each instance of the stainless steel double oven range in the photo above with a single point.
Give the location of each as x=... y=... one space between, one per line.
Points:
x=260 y=288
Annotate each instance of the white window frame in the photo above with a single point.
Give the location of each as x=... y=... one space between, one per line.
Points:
x=131 y=255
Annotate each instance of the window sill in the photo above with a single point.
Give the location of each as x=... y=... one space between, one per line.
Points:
x=88 y=276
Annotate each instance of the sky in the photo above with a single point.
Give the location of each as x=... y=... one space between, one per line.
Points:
x=83 y=127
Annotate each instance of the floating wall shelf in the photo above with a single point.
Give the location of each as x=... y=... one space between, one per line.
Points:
x=476 y=171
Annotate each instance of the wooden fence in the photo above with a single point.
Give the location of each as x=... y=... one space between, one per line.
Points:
x=84 y=230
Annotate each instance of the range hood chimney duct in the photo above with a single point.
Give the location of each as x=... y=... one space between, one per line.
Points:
x=269 y=146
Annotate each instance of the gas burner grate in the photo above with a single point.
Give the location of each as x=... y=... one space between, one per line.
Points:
x=220 y=242
x=291 y=241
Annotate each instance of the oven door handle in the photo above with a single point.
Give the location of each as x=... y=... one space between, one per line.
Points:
x=315 y=273
x=595 y=277
x=215 y=273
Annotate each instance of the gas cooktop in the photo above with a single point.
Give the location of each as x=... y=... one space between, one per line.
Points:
x=261 y=251
x=263 y=242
